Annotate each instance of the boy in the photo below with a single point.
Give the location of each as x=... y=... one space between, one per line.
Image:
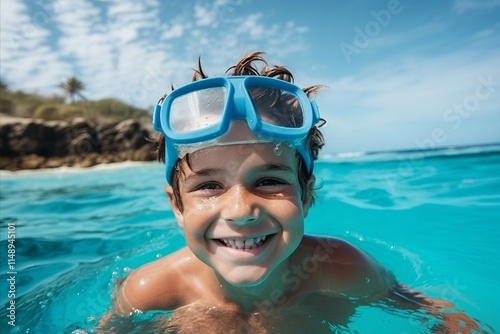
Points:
x=239 y=154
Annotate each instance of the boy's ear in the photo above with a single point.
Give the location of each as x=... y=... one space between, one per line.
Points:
x=308 y=195
x=175 y=207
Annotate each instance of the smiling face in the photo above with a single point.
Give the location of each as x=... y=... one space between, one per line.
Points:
x=242 y=210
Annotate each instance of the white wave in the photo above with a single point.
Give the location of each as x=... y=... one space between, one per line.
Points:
x=76 y=169
x=409 y=154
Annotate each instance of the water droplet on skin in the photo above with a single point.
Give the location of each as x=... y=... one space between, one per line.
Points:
x=277 y=149
x=211 y=309
x=136 y=311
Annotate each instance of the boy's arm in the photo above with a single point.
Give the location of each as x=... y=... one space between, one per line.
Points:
x=144 y=290
x=114 y=320
x=384 y=284
x=139 y=292
x=135 y=293
x=454 y=321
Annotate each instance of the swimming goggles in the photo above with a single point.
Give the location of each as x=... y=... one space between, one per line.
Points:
x=202 y=111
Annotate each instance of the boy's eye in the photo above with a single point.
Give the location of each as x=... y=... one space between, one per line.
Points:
x=270 y=183
x=208 y=186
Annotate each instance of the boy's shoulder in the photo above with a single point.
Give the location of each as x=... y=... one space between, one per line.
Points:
x=156 y=285
x=344 y=268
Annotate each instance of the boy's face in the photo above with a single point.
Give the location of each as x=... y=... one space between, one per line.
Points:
x=243 y=214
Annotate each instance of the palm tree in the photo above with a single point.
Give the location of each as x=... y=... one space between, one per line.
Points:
x=73 y=87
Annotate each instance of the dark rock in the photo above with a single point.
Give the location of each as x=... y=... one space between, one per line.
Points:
x=54 y=162
x=106 y=135
x=130 y=135
x=82 y=137
x=30 y=143
x=32 y=161
x=143 y=154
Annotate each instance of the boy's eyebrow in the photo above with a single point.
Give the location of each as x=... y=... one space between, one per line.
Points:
x=276 y=167
x=203 y=172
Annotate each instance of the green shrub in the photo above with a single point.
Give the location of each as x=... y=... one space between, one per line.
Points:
x=47 y=111
x=112 y=108
x=107 y=110
x=25 y=104
x=6 y=105
x=69 y=111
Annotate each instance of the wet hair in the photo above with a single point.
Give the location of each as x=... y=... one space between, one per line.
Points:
x=248 y=66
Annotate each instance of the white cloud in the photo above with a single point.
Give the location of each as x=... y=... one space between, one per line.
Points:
x=462 y=6
x=128 y=49
x=125 y=20
x=27 y=61
x=301 y=30
x=205 y=16
x=399 y=101
x=175 y=31
x=107 y=47
x=83 y=41
x=19 y=30
x=384 y=40
x=250 y=25
x=486 y=33
x=13 y=16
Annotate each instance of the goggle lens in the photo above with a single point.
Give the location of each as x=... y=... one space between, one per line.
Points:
x=276 y=106
x=197 y=110
x=203 y=108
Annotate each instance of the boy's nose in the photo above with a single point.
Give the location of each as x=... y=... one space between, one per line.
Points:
x=240 y=207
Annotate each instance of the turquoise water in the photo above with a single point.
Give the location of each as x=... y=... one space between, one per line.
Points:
x=432 y=218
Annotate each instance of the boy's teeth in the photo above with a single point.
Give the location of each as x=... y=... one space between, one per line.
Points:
x=244 y=244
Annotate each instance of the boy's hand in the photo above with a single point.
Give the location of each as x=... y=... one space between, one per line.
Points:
x=457 y=322
x=454 y=321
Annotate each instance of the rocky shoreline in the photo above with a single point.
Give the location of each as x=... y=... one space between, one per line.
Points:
x=34 y=143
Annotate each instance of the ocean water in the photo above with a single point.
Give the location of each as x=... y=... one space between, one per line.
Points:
x=432 y=218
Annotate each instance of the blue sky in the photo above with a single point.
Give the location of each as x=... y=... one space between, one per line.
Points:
x=405 y=74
